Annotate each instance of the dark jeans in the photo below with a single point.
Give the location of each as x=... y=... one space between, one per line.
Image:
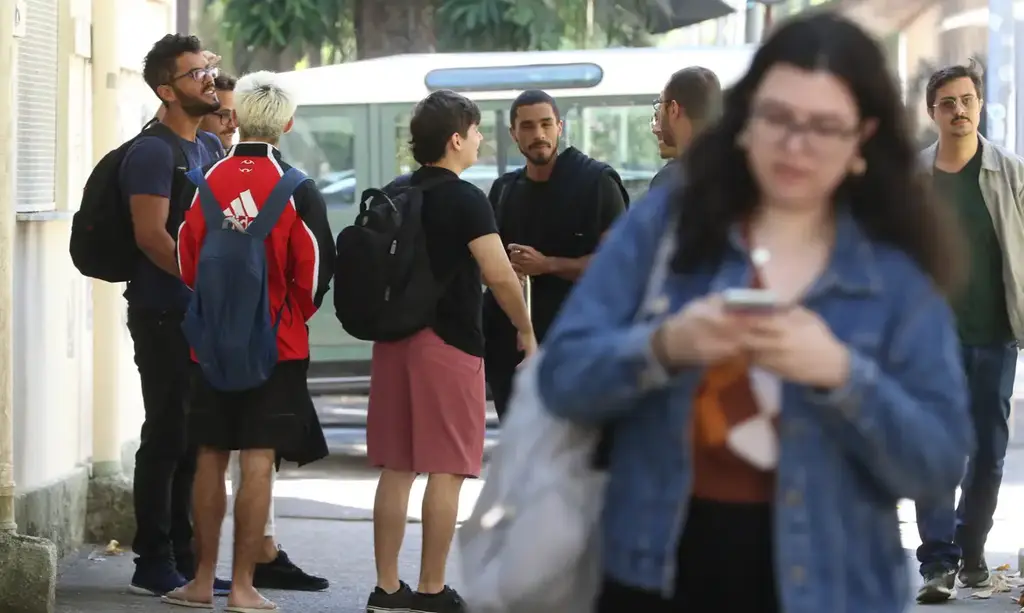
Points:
x=949 y=534
x=165 y=464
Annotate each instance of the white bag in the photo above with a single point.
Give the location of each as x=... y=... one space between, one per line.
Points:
x=531 y=544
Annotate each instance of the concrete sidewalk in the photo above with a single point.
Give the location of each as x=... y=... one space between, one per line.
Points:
x=342 y=551
x=323 y=512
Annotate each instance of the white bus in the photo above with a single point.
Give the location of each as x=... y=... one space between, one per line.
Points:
x=352 y=127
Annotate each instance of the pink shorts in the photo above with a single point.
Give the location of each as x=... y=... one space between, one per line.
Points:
x=427 y=407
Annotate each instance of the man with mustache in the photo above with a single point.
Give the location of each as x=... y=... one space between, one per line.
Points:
x=222 y=122
x=691 y=100
x=551 y=215
x=983 y=185
x=152 y=178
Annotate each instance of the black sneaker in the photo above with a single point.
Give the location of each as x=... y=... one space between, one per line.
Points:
x=397 y=602
x=974 y=573
x=282 y=574
x=446 y=601
x=939 y=586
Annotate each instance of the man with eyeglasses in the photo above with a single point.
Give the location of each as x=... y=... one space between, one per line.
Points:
x=983 y=184
x=223 y=122
x=690 y=101
x=152 y=178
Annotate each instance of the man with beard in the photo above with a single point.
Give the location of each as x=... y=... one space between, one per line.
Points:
x=152 y=179
x=223 y=122
x=689 y=103
x=551 y=216
x=983 y=185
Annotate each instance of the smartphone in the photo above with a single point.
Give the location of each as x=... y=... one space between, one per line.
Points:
x=753 y=301
x=527 y=294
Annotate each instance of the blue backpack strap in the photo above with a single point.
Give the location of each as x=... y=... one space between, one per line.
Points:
x=270 y=212
x=212 y=211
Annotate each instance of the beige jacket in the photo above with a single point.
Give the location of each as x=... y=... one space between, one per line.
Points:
x=1002 y=187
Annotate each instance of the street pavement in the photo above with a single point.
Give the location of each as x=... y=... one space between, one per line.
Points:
x=323 y=523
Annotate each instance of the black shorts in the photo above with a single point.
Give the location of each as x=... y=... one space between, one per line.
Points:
x=275 y=415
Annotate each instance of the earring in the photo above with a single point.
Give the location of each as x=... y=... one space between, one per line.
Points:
x=858 y=166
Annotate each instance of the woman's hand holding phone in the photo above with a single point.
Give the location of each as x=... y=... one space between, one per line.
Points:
x=792 y=342
x=702 y=333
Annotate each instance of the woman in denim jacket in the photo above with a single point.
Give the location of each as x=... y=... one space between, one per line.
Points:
x=757 y=453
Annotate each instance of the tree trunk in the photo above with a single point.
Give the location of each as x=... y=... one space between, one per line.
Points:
x=392 y=27
x=281 y=60
x=315 y=56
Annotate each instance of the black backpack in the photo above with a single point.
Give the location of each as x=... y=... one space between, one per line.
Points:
x=102 y=237
x=384 y=288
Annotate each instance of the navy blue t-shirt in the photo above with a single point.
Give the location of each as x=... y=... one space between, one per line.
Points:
x=148 y=170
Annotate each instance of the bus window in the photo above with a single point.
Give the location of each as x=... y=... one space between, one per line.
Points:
x=619 y=136
x=322 y=144
x=482 y=174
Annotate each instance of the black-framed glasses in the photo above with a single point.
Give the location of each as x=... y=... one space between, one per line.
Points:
x=224 y=115
x=199 y=74
x=950 y=104
x=657 y=104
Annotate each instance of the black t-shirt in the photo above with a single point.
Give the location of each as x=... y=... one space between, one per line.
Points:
x=454 y=214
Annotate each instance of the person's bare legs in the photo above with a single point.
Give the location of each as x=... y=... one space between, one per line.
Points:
x=210 y=499
x=269 y=549
x=440 y=513
x=252 y=505
x=390 y=514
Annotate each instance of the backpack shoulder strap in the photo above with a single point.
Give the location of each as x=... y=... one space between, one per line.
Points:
x=161 y=131
x=213 y=214
x=270 y=212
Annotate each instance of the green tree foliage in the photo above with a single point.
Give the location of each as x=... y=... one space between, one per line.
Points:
x=278 y=34
x=275 y=34
x=526 y=25
x=499 y=25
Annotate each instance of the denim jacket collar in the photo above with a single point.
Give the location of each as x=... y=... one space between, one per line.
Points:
x=852 y=269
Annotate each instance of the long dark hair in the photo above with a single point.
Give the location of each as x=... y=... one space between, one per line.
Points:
x=892 y=201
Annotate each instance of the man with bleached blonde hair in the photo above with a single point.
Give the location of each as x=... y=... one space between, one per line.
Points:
x=264 y=414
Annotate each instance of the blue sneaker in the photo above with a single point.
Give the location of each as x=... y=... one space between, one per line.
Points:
x=221 y=587
x=155 y=579
x=186 y=566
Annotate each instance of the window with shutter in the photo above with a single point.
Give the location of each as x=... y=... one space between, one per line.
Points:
x=36 y=157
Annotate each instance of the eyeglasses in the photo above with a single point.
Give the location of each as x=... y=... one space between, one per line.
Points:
x=224 y=115
x=819 y=135
x=657 y=104
x=951 y=104
x=199 y=74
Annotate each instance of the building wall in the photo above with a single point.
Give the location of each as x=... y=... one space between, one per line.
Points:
x=52 y=310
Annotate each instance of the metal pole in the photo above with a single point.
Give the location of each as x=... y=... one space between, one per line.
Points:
x=753 y=24
x=183 y=17
x=107 y=303
x=999 y=72
x=1018 y=83
x=7 y=210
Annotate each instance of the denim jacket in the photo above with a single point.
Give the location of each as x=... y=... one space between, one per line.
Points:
x=898 y=429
